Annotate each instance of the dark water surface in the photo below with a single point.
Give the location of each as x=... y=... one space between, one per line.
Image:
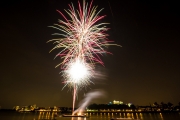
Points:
x=12 y=115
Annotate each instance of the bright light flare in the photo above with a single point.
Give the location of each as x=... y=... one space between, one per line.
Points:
x=77 y=72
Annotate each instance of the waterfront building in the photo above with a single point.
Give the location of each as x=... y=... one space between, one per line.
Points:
x=117 y=102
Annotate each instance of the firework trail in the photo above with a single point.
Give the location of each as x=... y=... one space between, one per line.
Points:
x=82 y=43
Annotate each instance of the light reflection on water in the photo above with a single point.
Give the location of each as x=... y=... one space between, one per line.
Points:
x=161 y=116
x=92 y=116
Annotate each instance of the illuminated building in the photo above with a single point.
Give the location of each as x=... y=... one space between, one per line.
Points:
x=117 y=102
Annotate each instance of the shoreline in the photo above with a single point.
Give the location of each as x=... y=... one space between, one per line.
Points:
x=10 y=110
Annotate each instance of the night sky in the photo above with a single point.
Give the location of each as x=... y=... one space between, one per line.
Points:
x=146 y=69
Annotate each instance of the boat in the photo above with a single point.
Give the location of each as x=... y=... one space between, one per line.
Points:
x=123 y=119
x=74 y=115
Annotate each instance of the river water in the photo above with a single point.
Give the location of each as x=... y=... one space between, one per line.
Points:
x=12 y=115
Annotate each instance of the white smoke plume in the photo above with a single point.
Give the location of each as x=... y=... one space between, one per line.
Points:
x=88 y=98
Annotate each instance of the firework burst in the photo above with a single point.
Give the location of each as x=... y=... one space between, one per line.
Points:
x=83 y=41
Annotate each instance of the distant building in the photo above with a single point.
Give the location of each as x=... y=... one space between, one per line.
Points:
x=129 y=104
x=117 y=102
x=16 y=108
x=34 y=106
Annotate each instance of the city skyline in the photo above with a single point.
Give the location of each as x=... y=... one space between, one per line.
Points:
x=144 y=70
x=114 y=102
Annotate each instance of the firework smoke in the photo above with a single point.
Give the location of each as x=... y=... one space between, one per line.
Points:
x=89 y=97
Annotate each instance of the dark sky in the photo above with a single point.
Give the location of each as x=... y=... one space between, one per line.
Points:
x=144 y=70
